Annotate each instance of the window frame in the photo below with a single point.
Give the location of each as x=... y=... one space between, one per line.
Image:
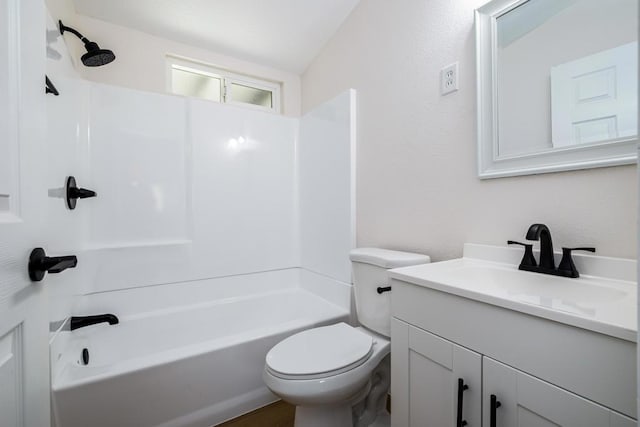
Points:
x=227 y=79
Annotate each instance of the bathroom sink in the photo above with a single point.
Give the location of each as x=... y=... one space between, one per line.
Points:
x=601 y=304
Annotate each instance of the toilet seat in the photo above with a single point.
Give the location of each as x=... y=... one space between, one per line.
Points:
x=320 y=352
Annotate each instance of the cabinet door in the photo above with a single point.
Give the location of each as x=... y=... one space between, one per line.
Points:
x=525 y=401
x=428 y=375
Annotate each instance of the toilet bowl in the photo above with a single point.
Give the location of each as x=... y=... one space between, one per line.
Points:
x=326 y=376
x=325 y=370
x=338 y=375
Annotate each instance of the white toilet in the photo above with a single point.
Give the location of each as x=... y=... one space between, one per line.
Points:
x=339 y=375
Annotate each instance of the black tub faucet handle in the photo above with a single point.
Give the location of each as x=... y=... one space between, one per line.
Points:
x=74 y=193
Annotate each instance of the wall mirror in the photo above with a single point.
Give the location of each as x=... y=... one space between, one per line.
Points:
x=557 y=85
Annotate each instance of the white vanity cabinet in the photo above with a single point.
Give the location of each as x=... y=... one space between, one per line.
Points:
x=428 y=378
x=434 y=381
x=513 y=398
x=543 y=372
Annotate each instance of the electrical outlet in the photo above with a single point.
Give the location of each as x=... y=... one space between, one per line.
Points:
x=449 y=79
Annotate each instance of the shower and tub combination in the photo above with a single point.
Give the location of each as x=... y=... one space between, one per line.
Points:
x=204 y=253
x=190 y=355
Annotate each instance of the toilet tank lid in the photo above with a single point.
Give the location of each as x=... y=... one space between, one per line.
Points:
x=386 y=258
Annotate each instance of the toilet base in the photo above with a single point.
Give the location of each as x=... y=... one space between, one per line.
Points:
x=374 y=403
x=359 y=411
x=323 y=416
x=337 y=415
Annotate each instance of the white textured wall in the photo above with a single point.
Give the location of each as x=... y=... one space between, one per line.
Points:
x=416 y=168
x=141 y=58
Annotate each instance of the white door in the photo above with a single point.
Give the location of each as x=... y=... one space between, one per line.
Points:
x=514 y=399
x=24 y=356
x=435 y=382
x=594 y=99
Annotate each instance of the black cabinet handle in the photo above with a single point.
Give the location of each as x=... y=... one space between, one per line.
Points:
x=461 y=388
x=495 y=404
x=40 y=264
x=382 y=290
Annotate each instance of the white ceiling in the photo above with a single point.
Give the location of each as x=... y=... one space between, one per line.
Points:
x=285 y=34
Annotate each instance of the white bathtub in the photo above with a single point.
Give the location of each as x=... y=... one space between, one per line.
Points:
x=196 y=364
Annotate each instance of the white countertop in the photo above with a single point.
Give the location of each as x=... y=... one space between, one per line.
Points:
x=599 y=304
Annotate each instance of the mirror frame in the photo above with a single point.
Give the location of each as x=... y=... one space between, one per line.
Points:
x=616 y=152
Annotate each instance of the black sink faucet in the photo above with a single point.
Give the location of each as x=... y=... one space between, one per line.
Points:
x=547 y=264
x=541 y=232
x=82 y=321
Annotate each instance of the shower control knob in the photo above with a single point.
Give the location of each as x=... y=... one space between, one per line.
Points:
x=74 y=193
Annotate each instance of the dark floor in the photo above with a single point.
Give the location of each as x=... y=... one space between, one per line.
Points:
x=278 y=414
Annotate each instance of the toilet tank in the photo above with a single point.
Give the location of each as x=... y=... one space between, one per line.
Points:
x=370 y=267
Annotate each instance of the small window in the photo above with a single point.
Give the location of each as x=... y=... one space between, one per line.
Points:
x=250 y=95
x=192 y=83
x=202 y=81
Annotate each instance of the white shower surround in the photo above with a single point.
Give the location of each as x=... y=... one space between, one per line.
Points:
x=191 y=189
x=205 y=213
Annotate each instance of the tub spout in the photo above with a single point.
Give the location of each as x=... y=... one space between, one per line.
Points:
x=82 y=321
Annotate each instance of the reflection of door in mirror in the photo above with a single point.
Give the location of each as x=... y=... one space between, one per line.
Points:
x=581 y=48
x=593 y=99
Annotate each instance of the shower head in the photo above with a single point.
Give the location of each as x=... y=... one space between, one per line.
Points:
x=95 y=57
